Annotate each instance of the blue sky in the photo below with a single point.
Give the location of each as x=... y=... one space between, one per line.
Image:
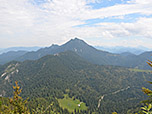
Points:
x=98 y=22
x=106 y=3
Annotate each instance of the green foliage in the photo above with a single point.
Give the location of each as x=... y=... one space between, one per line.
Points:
x=149 y=63
x=42 y=110
x=147 y=109
x=16 y=104
x=114 y=113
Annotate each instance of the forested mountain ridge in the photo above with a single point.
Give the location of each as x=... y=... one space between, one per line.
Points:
x=53 y=75
x=90 y=54
x=78 y=46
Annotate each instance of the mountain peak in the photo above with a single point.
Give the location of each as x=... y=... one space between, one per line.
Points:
x=76 y=41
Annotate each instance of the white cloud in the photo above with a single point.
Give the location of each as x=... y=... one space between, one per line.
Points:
x=141 y=28
x=24 y=23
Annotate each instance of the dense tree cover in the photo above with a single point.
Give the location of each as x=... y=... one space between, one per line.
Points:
x=48 y=79
x=16 y=105
x=147 y=108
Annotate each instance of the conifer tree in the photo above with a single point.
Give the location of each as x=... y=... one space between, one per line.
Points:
x=147 y=109
x=16 y=104
x=146 y=90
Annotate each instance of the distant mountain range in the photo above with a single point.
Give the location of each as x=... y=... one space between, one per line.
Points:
x=11 y=55
x=89 y=53
x=121 y=49
x=116 y=49
x=5 y=50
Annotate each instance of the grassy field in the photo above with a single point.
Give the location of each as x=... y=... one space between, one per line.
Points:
x=70 y=104
x=140 y=70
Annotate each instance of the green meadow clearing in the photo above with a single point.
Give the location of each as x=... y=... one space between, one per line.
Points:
x=70 y=104
x=139 y=70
